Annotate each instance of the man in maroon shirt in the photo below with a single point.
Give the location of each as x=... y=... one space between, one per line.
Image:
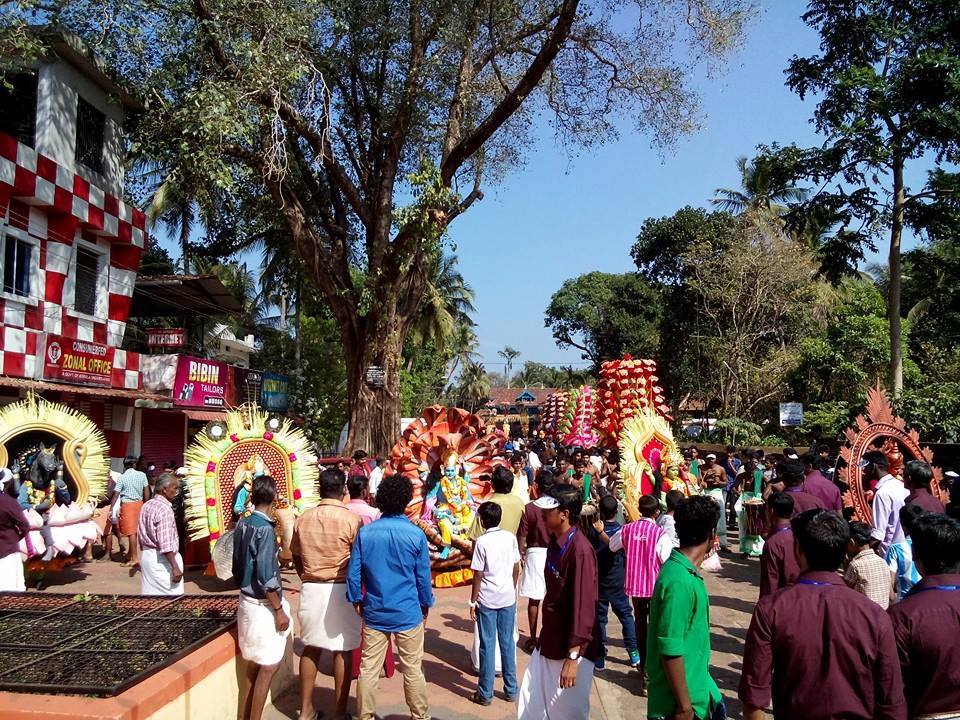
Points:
x=826 y=650
x=926 y=623
x=917 y=477
x=559 y=678
x=533 y=539
x=817 y=484
x=778 y=563
x=792 y=475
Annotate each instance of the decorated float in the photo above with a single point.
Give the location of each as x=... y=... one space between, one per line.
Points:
x=626 y=387
x=879 y=428
x=227 y=455
x=449 y=457
x=648 y=455
x=60 y=468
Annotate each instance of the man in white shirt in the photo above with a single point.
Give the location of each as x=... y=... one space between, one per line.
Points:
x=376 y=476
x=889 y=496
x=493 y=603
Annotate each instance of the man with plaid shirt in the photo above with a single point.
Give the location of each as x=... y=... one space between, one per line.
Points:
x=161 y=567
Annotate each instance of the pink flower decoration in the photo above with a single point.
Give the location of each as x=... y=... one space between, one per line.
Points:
x=235 y=438
x=268 y=435
x=214 y=536
x=211 y=502
x=297 y=494
x=211 y=467
x=293 y=457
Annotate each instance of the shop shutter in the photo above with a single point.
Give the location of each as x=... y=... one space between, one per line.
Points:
x=162 y=437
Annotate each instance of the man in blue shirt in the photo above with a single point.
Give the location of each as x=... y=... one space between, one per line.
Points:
x=388 y=582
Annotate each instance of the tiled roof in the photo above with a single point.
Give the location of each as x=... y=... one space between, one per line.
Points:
x=508 y=396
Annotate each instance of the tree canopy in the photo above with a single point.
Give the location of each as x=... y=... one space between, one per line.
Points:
x=365 y=127
x=605 y=315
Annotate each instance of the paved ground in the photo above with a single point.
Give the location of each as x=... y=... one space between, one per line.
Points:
x=449 y=635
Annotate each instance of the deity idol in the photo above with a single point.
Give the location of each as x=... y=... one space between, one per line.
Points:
x=676 y=478
x=450 y=503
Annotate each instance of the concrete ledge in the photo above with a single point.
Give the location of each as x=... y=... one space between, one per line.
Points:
x=201 y=686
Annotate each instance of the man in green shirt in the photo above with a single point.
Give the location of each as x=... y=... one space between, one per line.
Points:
x=511 y=506
x=678 y=640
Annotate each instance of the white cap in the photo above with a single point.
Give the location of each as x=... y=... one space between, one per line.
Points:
x=546 y=502
x=792 y=456
x=5 y=476
x=711 y=456
x=180 y=472
x=951 y=474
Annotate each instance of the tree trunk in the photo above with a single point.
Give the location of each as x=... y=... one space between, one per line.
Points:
x=185 y=245
x=374 y=413
x=893 y=292
x=297 y=342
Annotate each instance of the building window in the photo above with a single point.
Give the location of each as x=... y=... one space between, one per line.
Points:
x=90 y=129
x=17 y=255
x=87 y=281
x=18 y=107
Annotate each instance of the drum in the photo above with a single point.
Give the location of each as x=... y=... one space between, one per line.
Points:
x=755 y=518
x=588 y=516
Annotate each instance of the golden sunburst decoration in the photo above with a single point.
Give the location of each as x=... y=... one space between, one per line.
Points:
x=219 y=454
x=640 y=436
x=84 y=450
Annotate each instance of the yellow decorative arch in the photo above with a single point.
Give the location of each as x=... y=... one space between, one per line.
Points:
x=85 y=451
x=641 y=435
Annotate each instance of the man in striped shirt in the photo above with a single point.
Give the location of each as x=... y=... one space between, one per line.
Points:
x=161 y=567
x=647 y=547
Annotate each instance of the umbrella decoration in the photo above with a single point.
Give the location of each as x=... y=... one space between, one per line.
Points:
x=581 y=412
x=554 y=408
x=626 y=388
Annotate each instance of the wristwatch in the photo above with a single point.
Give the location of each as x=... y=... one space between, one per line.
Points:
x=573 y=655
x=472 y=604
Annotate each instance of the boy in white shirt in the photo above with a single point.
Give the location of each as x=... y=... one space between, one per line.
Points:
x=493 y=603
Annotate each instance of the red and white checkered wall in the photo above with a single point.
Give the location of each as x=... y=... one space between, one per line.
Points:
x=56 y=207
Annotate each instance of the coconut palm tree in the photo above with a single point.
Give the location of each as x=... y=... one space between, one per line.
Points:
x=763 y=196
x=448 y=302
x=464 y=346
x=473 y=387
x=509 y=354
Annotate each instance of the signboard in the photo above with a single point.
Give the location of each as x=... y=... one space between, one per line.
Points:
x=376 y=377
x=791 y=414
x=166 y=337
x=275 y=392
x=200 y=383
x=78 y=361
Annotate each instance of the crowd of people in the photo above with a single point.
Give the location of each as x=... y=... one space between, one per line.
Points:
x=821 y=644
x=852 y=620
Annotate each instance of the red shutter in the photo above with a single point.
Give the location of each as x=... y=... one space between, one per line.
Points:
x=163 y=436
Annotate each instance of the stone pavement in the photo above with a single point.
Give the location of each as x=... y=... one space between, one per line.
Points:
x=449 y=636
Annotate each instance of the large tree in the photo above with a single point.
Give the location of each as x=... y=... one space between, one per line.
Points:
x=605 y=315
x=887 y=81
x=368 y=126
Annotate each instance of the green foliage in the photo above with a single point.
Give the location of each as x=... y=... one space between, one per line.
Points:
x=155 y=261
x=318 y=391
x=933 y=409
x=663 y=243
x=422 y=377
x=737 y=431
x=605 y=315
x=830 y=417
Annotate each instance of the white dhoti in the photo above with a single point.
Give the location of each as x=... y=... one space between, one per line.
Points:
x=11 y=573
x=533 y=585
x=327 y=618
x=541 y=697
x=257 y=634
x=155 y=574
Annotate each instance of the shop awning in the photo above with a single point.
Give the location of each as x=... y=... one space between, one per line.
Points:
x=204 y=415
x=172 y=295
x=104 y=392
